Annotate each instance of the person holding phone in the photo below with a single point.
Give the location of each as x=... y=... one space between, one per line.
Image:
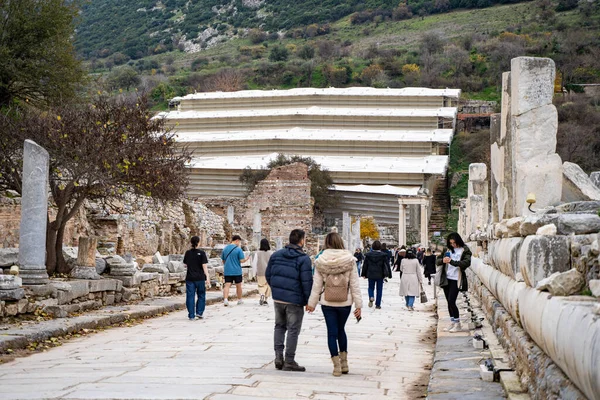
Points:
x=455 y=260
x=336 y=287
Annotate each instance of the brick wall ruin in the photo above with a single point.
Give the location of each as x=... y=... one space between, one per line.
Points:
x=281 y=202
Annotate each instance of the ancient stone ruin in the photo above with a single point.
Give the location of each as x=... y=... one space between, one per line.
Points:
x=537 y=268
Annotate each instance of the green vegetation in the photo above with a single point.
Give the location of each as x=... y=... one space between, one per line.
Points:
x=468 y=49
x=37 y=62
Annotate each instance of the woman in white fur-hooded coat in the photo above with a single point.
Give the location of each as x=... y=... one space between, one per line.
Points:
x=336 y=260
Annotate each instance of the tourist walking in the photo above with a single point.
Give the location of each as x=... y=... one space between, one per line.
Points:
x=429 y=264
x=233 y=257
x=289 y=273
x=412 y=279
x=260 y=261
x=420 y=254
x=398 y=260
x=453 y=279
x=336 y=287
x=196 y=280
x=375 y=269
x=358 y=255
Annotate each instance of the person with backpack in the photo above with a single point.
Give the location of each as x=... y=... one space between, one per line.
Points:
x=375 y=268
x=453 y=278
x=196 y=280
x=429 y=264
x=289 y=273
x=336 y=287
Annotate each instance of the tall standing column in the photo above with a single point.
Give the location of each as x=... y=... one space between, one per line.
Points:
x=401 y=223
x=424 y=223
x=34 y=215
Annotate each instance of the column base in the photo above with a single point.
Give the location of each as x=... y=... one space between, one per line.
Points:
x=34 y=275
x=85 y=273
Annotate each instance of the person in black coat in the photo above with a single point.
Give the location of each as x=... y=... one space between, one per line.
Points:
x=429 y=263
x=375 y=268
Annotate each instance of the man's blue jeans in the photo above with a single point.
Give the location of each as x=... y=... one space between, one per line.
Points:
x=358 y=264
x=379 y=283
x=191 y=290
x=410 y=300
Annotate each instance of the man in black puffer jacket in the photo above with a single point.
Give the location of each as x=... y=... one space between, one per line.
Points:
x=289 y=274
x=376 y=268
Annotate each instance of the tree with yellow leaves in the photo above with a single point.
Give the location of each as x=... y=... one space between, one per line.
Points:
x=368 y=228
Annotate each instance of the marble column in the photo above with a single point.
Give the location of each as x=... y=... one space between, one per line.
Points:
x=346 y=228
x=425 y=223
x=356 y=242
x=34 y=215
x=86 y=259
x=401 y=223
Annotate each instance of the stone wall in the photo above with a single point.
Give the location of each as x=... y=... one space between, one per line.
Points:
x=281 y=203
x=140 y=227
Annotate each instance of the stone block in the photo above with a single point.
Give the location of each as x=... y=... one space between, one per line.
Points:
x=160 y=268
x=89 y=273
x=579 y=207
x=158 y=259
x=123 y=270
x=513 y=225
x=9 y=282
x=535 y=133
x=562 y=283
x=129 y=281
x=12 y=294
x=11 y=309
x=541 y=256
x=541 y=175
x=595 y=287
x=47 y=303
x=532 y=223
x=577 y=185
x=175 y=277
x=118 y=297
x=119 y=285
x=100 y=265
x=114 y=260
x=22 y=306
x=176 y=257
x=110 y=300
x=176 y=266
x=504 y=256
x=477 y=172
x=64 y=297
x=148 y=276
x=40 y=290
x=163 y=279
x=79 y=288
x=103 y=285
x=128 y=293
x=531 y=83
x=549 y=229
x=578 y=224
x=9 y=257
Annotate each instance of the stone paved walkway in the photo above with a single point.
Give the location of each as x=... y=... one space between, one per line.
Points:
x=229 y=356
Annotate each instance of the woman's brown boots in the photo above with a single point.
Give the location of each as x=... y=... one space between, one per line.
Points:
x=337 y=366
x=344 y=361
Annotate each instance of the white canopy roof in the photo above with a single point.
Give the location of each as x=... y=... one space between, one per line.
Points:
x=393 y=165
x=444 y=112
x=438 y=135
x=353 y=91
x=379 y=189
